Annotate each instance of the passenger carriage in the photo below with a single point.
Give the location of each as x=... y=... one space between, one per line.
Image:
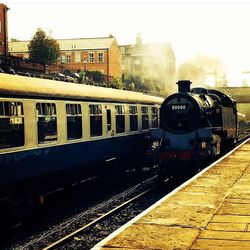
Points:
x=51 y=130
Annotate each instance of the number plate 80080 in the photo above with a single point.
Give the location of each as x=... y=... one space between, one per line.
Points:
x=178 y=107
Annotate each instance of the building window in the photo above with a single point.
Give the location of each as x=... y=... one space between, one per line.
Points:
x=46 y=122
x=83 y=58
x=11 y=124
x=133 y=118
x=68 y=58
x=63 y=58
x=77 y=57
x=74 y=121
x=95 y=112
x=144 y=117
x=120 y=119
x=91 y=57
x=100 y=57
x=155 y=122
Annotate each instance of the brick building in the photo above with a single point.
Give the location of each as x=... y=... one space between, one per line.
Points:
x=3 y=30
x=88 y=54
x=152 y=64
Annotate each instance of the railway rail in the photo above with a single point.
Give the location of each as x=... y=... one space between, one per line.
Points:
x=70 y=236
x=243 y=135
x=127 y=209
x=85 y=218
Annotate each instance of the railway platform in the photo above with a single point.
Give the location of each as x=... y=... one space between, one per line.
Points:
x=209 y=211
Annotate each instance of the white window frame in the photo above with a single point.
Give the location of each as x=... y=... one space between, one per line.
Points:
x=100 y=57
x=68 y=58
x=91 y=57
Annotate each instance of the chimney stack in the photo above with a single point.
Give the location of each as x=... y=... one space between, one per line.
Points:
x=184 y=86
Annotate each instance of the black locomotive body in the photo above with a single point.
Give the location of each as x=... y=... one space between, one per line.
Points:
x=195 y=125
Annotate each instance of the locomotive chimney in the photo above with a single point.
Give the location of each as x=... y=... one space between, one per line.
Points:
x=184 y=86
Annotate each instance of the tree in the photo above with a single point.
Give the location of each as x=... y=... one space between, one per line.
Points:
x=117 y=83
x=97 y=76
x=131 y=86
x=81 y=77
x=43 y=49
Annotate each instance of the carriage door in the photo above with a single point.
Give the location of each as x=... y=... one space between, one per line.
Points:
x=110 y=131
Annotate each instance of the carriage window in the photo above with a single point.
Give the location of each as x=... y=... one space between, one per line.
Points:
x=133 y=118
x=74 y=121
x=46 y=122
x=11 y=124
x=95 y=112
x=144 y=117
x=155 y=123
x=120 y=119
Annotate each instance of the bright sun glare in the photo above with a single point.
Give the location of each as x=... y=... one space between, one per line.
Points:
x=214 y=30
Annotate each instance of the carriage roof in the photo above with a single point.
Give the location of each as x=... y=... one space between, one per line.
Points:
x=28 y=87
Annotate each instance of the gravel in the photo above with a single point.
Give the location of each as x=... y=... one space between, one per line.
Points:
x=51 y=229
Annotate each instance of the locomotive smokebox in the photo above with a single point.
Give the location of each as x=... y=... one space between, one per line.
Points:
x=184 y=86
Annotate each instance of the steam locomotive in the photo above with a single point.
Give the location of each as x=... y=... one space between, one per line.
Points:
x=196 y=125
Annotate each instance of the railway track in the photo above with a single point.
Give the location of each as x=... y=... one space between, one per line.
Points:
x=243 y=136
x=69 y=228
x=78 y=239
x=71 y=236
x=127 y=209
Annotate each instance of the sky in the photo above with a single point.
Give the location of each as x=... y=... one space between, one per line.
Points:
x=217 y=29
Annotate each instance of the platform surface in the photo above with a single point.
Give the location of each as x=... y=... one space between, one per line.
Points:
x=210 y=211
